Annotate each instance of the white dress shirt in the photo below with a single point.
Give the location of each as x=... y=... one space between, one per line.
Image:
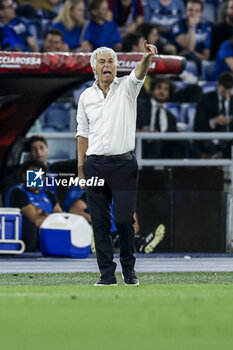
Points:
x=162 y=117
x=109 y=123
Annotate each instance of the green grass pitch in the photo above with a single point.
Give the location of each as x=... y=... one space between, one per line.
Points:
x=167 y=311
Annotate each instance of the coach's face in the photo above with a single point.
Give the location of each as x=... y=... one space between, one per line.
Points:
x=105 y=68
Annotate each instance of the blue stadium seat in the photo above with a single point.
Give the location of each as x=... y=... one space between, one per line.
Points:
x=207 y=70
x=210 y=11
x=39 y=28
x=61 y=149
x=35 y=29
x=57 y=117
x=174 y=108
x=191 y=67
x=189 y=115
x=208 y=86
x=180 y=85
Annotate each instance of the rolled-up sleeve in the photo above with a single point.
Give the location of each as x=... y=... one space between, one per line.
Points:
x=132 y=85
x=82 y=120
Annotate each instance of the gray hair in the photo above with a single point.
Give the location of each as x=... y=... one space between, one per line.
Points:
x=98 y=51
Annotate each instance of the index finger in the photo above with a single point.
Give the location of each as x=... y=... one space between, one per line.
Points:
x=145 y=44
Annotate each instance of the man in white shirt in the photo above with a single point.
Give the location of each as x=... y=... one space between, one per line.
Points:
x=106 y=120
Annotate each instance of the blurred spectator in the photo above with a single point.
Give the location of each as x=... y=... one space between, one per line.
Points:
x=214 y=113
x=57 y=5
x=151 y=33
x=224 y=58
x=38 y=4
x=152 y=116
x=164 y=13
x=222 y=31
x=133 y=42
x=35 y=203
x=53 y=41
x=192 y=35
x=37 y=9
x=70 y=21
x=39 y=151
x=99 y=31
x=14 y=31
x=221 y=13
x=127 y=14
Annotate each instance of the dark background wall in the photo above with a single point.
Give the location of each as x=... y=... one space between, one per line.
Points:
x=190 y=202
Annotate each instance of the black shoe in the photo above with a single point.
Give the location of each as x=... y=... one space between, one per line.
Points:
x=109 y=281
x=130 y=278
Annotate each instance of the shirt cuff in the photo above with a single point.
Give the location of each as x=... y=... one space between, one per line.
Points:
x=212 y=126
x=82 y=133
x=135 y=79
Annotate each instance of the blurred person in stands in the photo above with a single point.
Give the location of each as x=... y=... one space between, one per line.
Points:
x=192 y=35
x=14 y=31
x=127 y=14
x=153 y=116
x=39 y=9
x=151 y=33
x=39 y=151
x=99 y=31
x=35 y=203
x=164 y=13
x=76 y=203
x=214 y=114
x=224 y=58
x=222 y=31
x=53 y=41
x=57 y=5
x=70 y=21
x=133 y=42
x=221 y=10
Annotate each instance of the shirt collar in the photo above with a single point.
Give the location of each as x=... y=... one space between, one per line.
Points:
x=115 y=81
x=156 y=104
x=220 y=98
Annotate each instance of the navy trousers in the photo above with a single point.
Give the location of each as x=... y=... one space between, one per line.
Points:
x=120 y=184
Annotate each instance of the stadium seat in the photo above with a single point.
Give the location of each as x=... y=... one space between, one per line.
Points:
x=191 y=67
x=210 y=11
x=61 y=149
x=207 y=70
x=174 y=108
x=17 y=152
x=57 y=117
x=39 y=28
x=208 y=86
x=189 y=111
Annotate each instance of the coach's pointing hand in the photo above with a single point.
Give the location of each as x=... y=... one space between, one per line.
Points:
x=150 y=50
x=143 y=67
